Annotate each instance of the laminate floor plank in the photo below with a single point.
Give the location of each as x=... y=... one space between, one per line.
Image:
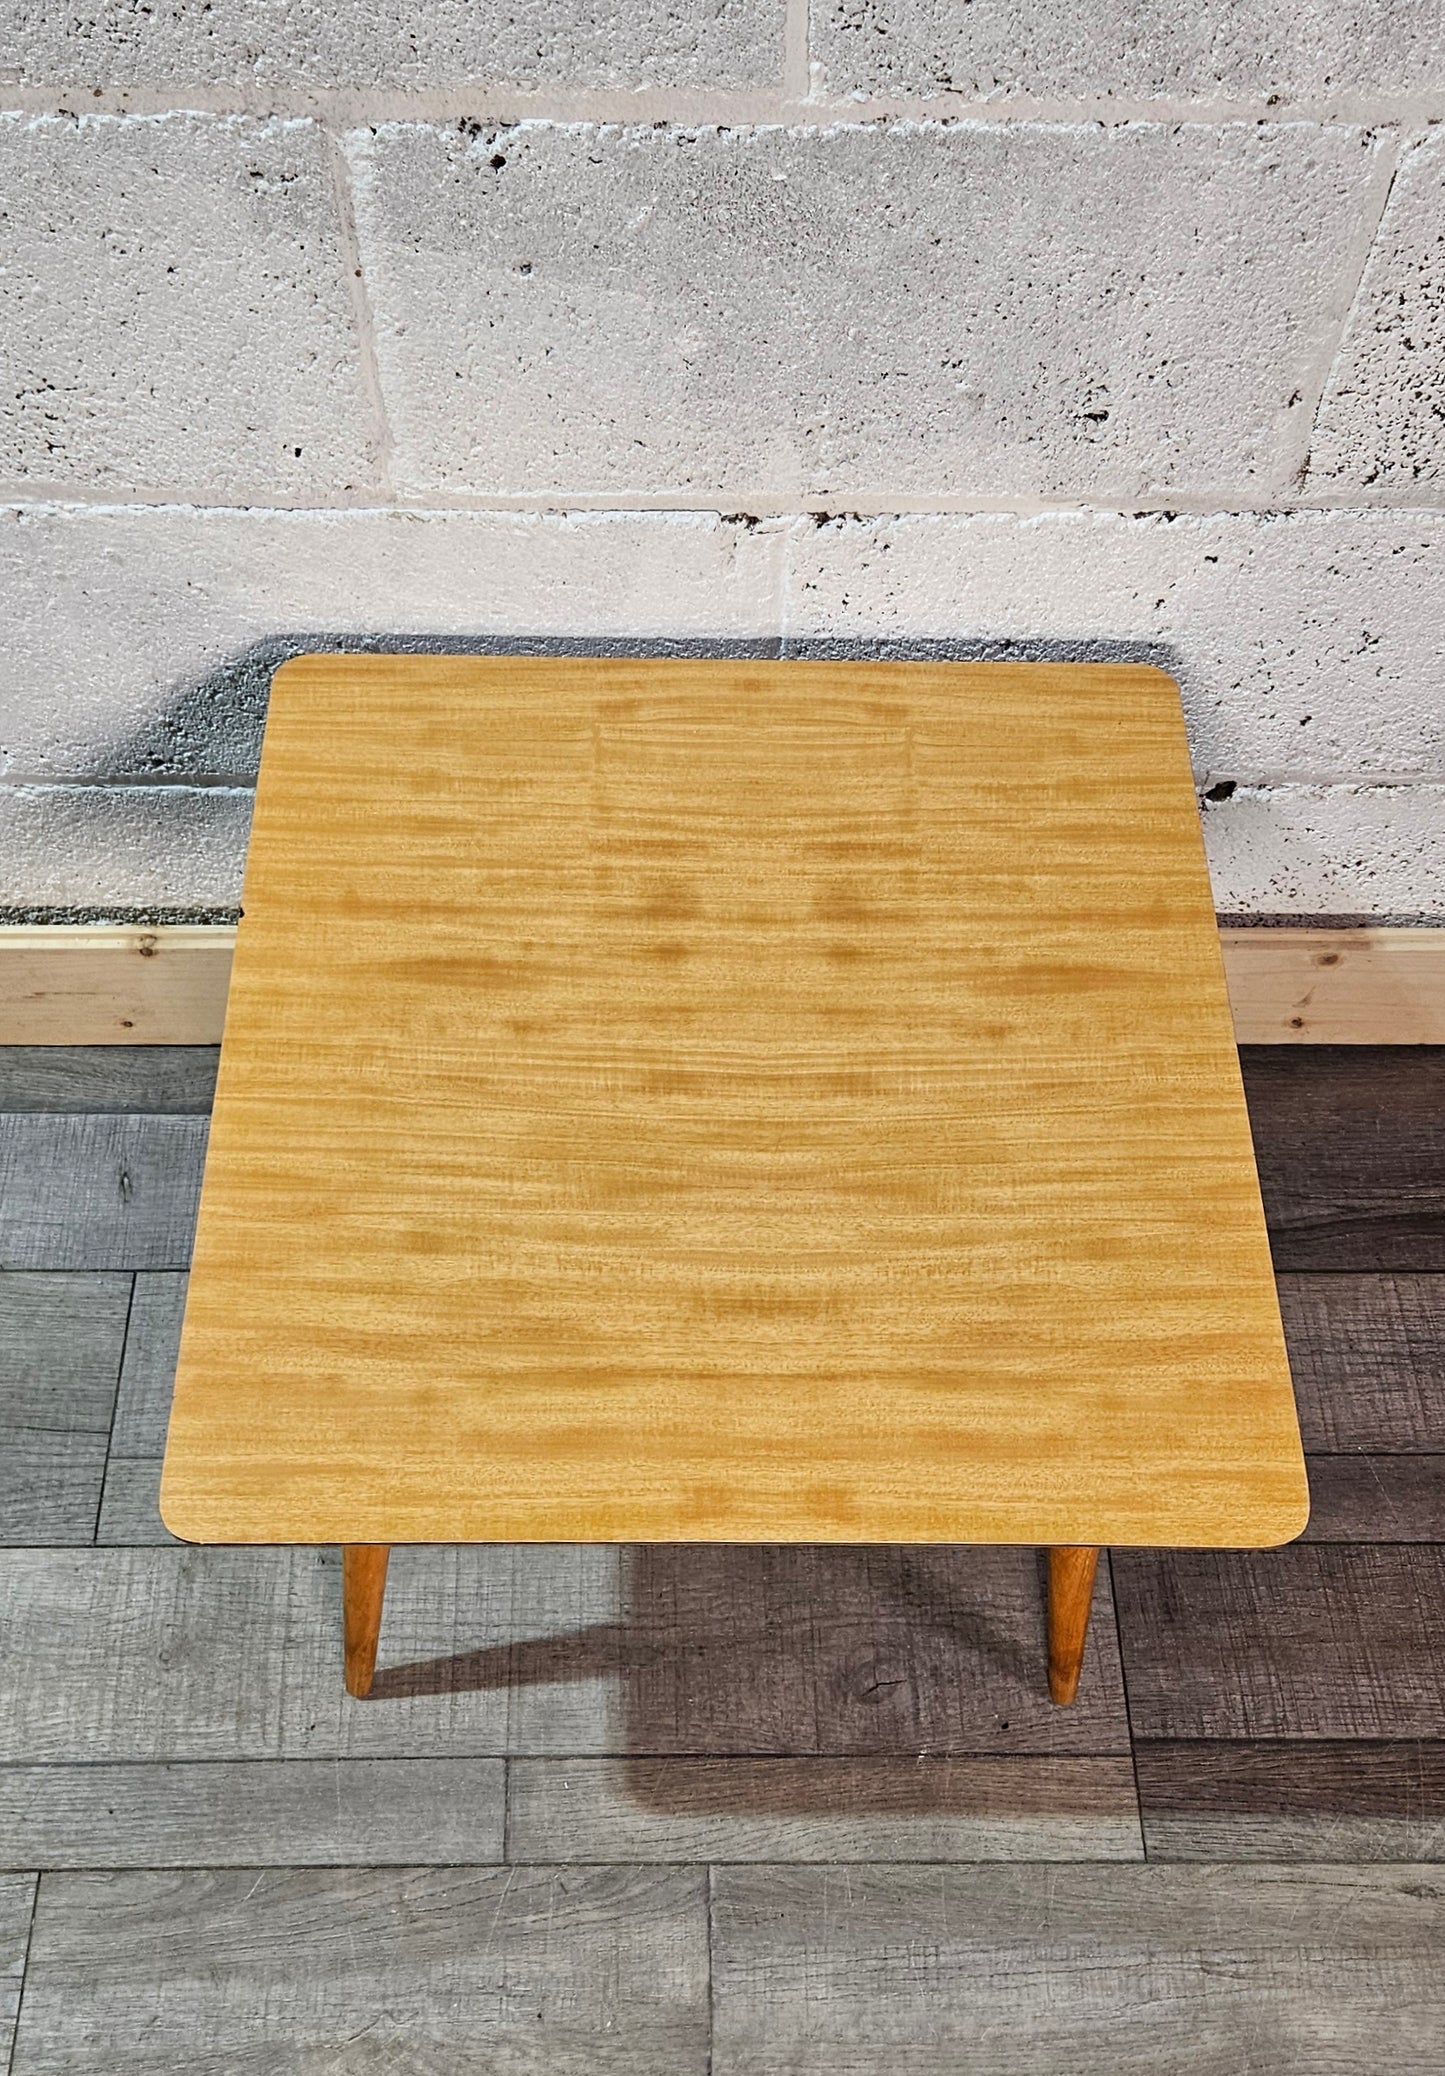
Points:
x=99 y=1192
x=130 y=1513
x=848 y=1650
x=827 y=1810
x=1316 y=1640
x=175 y=1079
x=1345 y=1801
x=443 y=1605
x=17 y=1904
x=183 y=1653
x=1077 y=1971
x=129 y=1508
x=121 y=1654
x=1360 y=1499
x=180 y=1653
x=113 y=1655
x=512 y=1971
x=148 y=1371
x=280 y=1813
x=702 y=1649
x=60 y=1353
x=1350 y=1141
x=1367 y=1354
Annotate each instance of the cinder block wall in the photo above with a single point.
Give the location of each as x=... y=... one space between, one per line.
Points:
x=895 y=326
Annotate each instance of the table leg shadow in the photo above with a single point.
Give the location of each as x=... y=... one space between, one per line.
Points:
x=774 y=1645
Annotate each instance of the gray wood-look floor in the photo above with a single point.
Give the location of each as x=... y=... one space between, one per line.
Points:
x=759 y=1812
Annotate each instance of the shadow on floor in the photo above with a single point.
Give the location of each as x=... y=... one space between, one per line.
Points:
x=835 y=1650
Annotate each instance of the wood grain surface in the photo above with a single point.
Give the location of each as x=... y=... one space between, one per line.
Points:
x=1312 y=985
x=486 y=1649
x=1368 y=1355
x=1385 y=1499
x=684 y=1101
x=130 y=1503
x=837 y=1708
x=176 y=1079
x=239 y=1813
x=588 y=1971
x=1352 y=1156
x=82 y=984
x=1336 y=987
x=99 y=1192
x=828 y=1810
x=60 y=1355
x=1345 y=1800
x=1323 y=1640
x=1093 y=1971
x=17 y=1905
x=147 y=1374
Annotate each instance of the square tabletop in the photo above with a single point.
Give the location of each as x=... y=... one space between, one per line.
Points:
x=729 y=1100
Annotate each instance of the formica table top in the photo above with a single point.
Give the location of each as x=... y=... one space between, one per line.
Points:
x=731 y=1100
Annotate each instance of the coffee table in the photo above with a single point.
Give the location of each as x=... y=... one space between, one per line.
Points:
x=729 y=1101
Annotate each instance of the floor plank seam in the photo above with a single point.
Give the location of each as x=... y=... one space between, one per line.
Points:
x=114 y=1409
x=1128 y=1714
x=24 y=1968
x=711 y=1969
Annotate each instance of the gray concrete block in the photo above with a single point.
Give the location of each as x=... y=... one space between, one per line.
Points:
x=864 y=311
x=1107 y=50
x=349 y=43
x=1381 y=421
x=177 y=309
x=1370 y=851
x=141 y=643
x=1308 y=646
x=122 y=846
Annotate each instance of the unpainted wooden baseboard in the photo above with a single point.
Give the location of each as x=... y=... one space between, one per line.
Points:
x=114 y=984
x=1336 y=987
x=133 y=985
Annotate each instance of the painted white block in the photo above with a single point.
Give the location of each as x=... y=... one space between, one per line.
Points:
x=1220 y=50
x=176 y=309
x=1300 y=851
x=1309 y=646
x=1381 y=421
x=124 y=847
x=257 y=44
x=141 y=642
x=1370 y=851
x=871 y=312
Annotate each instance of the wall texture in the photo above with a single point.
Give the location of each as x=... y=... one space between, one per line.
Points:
x=875 y=326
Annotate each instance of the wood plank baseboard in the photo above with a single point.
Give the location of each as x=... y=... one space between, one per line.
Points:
x=1292 y=986
x=134 y=984
x=114 y=983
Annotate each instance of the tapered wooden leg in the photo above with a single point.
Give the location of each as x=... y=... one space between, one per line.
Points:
x=363 y=1586
x=1071 y=1595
